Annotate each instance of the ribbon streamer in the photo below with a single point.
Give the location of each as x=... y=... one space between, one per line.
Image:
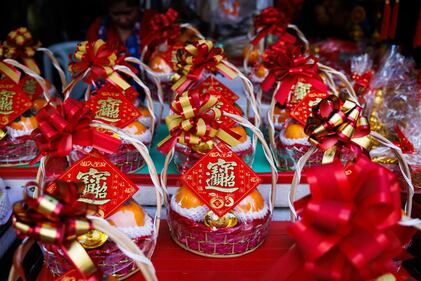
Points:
x=289 y=65
x=195 y=123
x=332 y=123
x=56 y=218
x=68 y=124
x=194 y=59
x=349 y=224
x=21 y=45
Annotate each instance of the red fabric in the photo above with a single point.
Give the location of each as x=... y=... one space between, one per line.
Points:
x=417 y=38
x=112 y=37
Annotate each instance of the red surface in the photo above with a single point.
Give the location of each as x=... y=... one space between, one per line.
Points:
x=142 y=179
x=175 y=264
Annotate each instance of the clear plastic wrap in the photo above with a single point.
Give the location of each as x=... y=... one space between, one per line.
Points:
x=5 y=206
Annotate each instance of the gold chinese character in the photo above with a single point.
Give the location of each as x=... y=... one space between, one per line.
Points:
x=300 y=90
x=95 y=183
x=6 y=102
x=222 y=177
x=29 y=86
x=108 y=109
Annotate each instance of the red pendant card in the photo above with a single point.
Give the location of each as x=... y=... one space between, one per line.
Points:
x=105 y=185
x=13 y=102
x=217 y=88
x=31 y=87
x=112 y=107
x=303 y=109
x=221 y=179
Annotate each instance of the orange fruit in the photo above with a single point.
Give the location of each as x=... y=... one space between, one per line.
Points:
x=240 y=131
x=158 y=64
x=25 y=123
x=135 y=128
x=295 y=131
x=186 y=198
x=128 y=215
x=252 y=203
x=261 y=71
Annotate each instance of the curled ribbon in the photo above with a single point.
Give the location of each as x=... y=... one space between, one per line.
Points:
x=272 y=21
x=195 y=123
x=56 y=218
x=92 y=61
x=162 y=28
x=62 y=127
x=288 y=66
x=20 y=44
x=332 y=123
x=194 y=59
x=349 y=224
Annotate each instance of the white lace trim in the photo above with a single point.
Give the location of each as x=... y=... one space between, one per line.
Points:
x=196 y=214
x=286 y=141
x=18 y=133
x=249 y=216
x=145 y=137
x=139 y=231
x=163 y=77
x=146 y=121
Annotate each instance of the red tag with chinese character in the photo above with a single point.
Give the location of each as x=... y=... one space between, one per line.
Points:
x=302 y=110
x=228 y=107
x=31 y=87
x=221 y=179
x=105 y=185
x=13 y=102
x=217 y=88
x=112 y=107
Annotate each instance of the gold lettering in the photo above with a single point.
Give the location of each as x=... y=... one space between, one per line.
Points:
x=6 y=102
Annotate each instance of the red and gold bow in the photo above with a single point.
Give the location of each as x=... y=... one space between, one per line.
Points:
x=94 y=60
x=334 y=123
x=194 y=59
x=162 y=28
x=349 y=224
x=272 y=21
x=289 y=65
x=68 y=124
x=21 y=45
x=56 y=218
x=195 y=122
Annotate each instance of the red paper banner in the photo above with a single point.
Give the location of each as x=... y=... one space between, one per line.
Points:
x=111 y=106
x=221 y=179
x=217 y=88
x=31 y=87
x=13 y=102
x=105 y=185
x=302 y=105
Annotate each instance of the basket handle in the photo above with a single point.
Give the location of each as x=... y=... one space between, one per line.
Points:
x=56 y=65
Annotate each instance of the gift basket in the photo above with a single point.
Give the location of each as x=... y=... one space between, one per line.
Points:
x=395 y=89
x=300 y=82
x=217 y=211
x=353 y=210
x=24 y=92
x=161 y=36
x=65 y=127
x=198 y=65
x=270 y=27
x=113 y=100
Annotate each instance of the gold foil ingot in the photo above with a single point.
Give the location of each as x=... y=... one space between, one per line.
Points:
x=213 y=221
x=92 y=239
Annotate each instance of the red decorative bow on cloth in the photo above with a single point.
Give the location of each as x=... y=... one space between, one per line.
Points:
x=272 y=21
x=21 y=45
x=288 y=66
x=92 y=61
x=194 y=59
x=333 y=123
x=68 y=124
x=349 y=224
x=195 y=122
x=56 y=218
x=162 y=28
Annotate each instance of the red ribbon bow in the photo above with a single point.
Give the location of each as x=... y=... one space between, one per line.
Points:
x=349 y=224
x=162 y=28
x=272 y=21
x=68 y=124
x=194 y=59
x=332 y=123
x=57 y=218
x=21 y=45
x=288 y=66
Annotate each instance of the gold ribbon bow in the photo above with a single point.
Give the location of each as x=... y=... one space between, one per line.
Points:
x=192 y=60
x=21 y=45
x=333 y=123
x=196 y=123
